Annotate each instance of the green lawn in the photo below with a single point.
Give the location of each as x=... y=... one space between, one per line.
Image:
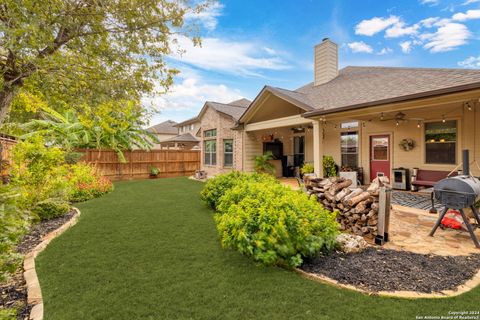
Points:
x=149 y=250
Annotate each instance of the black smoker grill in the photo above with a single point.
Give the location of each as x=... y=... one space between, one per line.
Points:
x=458 y=193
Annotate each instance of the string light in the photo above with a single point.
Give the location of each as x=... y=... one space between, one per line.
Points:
x=443 y=118
x=381 y=116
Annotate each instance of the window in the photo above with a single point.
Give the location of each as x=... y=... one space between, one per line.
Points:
x=228 y=153
x=347 y=125
x=441 y=142
x=349 y=149
x=380 y=148
x=210 y=152
x=210 y=133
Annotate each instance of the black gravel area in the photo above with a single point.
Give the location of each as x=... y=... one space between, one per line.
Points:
x=390 y=270
x=34 y=236
x=13 y=293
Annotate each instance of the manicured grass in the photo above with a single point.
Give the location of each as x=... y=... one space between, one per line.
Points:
x=149 y=250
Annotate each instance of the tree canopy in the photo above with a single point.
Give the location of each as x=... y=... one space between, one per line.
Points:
x=88 y=52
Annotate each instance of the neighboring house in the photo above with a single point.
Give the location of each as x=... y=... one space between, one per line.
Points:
x=220 y=144
x=361 y=115
x=186 y=137
x=164 y=131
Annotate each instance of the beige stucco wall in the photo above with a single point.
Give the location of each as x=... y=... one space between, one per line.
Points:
x=468 y=124
x=211 y=119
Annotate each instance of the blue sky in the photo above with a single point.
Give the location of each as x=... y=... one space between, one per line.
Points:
x=247 y=44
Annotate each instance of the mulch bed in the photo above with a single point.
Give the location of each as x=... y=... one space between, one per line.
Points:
x=13 y=294
x=390 y=270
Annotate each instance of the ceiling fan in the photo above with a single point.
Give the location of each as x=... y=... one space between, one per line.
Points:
x=399 y=117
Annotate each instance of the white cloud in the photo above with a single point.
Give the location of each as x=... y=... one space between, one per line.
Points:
x=470 y=62
x=447 y=37
x=469 y=15
x=375 y=25
x=360 y=46
x=241 y=58
x=400 y=29
x=385 y=51
x=406 y=46
x=190 y=94
x=430 y=2
x=208 y=16
x=468 y=2
x=429 y=22
x=270 y=51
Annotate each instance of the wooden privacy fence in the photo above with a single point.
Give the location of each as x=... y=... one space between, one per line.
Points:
x=171 y=163
x=6 y=145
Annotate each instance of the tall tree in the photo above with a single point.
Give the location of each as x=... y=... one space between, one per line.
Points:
x=89 y=50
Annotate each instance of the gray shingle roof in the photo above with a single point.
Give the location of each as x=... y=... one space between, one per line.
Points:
x=166 y=127
x=234 y=109
x=186 y=137
x=359 y=86
x=188 y=121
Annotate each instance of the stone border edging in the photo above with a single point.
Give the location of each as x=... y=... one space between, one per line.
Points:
x=34 y=292
x=467 y=286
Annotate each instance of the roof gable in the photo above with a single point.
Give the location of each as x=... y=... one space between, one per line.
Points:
x=166 y=127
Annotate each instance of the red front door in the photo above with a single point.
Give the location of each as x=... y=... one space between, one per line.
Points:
x=379 y=156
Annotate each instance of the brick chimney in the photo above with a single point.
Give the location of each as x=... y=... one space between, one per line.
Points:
x=325 y=61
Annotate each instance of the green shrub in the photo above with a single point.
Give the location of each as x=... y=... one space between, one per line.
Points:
x=329 y=166
x=13 y=224
x=307 y=168
x=86 y=183
x=39 y=171
x=274 y=224
x=51 y=208
x=73 y=157
x=216 y=187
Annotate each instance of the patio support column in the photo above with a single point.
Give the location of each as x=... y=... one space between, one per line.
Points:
x=318 y=148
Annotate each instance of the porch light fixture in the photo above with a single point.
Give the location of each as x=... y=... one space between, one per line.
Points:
x=468 y=105
x=419 y=124
x=382 y=116
x=397 y=122
x=443 y=118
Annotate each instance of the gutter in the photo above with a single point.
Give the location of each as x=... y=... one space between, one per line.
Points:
x=427 y=94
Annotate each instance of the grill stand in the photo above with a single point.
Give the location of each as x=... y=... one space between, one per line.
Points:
x=465 y=219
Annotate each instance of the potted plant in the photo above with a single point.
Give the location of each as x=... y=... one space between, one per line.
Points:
x=154 y=171
x=263 y=164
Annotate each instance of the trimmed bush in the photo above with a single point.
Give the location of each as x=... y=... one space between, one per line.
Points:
x=274 y=224
x=216 y=187
x=51 y=208
x=86 y=183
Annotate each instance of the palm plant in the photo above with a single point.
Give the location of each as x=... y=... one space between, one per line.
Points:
x=62 y=130
x=68 y=132
x=263 y=164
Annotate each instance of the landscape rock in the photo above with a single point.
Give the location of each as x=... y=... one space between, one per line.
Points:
x=349 y=243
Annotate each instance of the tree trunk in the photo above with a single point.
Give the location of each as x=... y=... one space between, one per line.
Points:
x=6 y=96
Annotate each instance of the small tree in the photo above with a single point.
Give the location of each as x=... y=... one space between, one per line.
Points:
x=263 y=164
x=89 y=51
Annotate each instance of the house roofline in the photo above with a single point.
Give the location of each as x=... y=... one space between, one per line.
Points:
x=278 y=94
x=426 y=94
